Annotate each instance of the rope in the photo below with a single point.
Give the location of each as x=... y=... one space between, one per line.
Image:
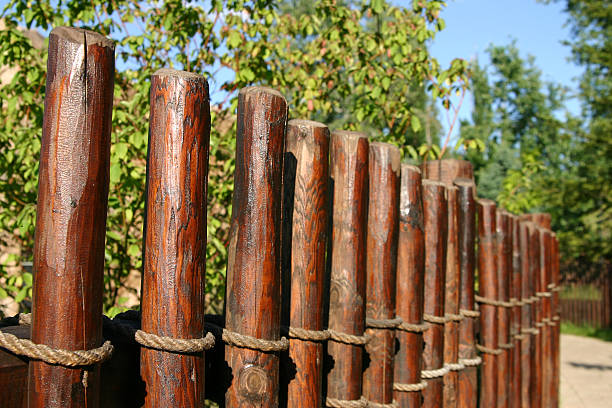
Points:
x=458 y=366
x=493 y=302
x=373 y=404
x=530 y=330
x=242 y=340
x=174 y=345
x=518 y=336
x=338 y=403
x=556 y=289
x=487 y=350
x=551 y=323
x=505 y=346
x=435 y=319
x=471 y=362
x=308 y=335
x=413 y=327
x=470 y=313
x=452 y=317
x=543 y=294
x=540 y=324
x=66 y=358
x=383 y=323
x=348 y=338
x=438 y=372
x=556 y=318
x=410 y=387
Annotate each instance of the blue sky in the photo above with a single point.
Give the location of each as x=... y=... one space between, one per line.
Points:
x=472 y=25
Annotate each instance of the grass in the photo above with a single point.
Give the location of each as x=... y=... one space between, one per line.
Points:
x=587 y=292
x=586 y=331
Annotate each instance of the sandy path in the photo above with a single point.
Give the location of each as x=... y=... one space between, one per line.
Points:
x=586 y=372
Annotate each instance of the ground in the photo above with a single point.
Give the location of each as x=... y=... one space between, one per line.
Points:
x=586 y=372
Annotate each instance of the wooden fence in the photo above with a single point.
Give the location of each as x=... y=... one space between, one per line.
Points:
x=350 y=280
x=594 y=310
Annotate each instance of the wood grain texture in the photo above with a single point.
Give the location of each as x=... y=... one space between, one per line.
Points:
x=173 y=282
x=71 y=213
x=488 y=288
x=536 y=352
x=435 y=210
x=526 y=314
x=349 y=169
x=447 y=170
x=466 y=231
x=383 y=223
x=305 y=230
x=503 y=313
x=546 y=338
x=410 y=285
x=515 y=329
x=254 y=257
x=556 y=309
x=451 y=298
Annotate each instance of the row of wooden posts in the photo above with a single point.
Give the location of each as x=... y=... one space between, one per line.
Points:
x=331 y=236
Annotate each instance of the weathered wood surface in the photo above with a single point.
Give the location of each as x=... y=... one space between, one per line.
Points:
x=410 y=285
x=71 y=213
x=503 y=313
x=173 y=282
x=447 y=170
x=435 y=210
x=515 y=329
x=349 y=169
x=488 y=288
x=556 y=310
x=545 y=279
x=253 y=272
x=382 y=233
x=526 y=314
x=305 y=230
x=466 y=222
x=451 y=298
x=536 y=351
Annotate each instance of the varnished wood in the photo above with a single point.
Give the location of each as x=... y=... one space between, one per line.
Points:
x=546 y=338
x=466 y=229
x=536 y=350
x=253 y=272
x=515 y=329
x=488 y=288
x=447 y=170
x=526 y=315
x=410 y=285
x=305 y=219
x=71 y=213
x=503 y=313
x=349 y=170
x=451 y=298
x=435 y=210
x=173 y=284
x=382 y=233
x=557 y=315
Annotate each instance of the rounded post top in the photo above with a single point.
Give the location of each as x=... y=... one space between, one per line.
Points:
x=82 y=36
x=306 y=123
x=168 y=72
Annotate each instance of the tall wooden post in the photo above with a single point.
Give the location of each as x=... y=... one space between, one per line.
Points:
x=349 y=169
x=534 y=274
x=487 y=288
x=466 y=221
x=447 y=170
x=515 y=329
x=556 y=320
x=383 y=217
x=305 y=227
x=545 y=278
x=451 y=301
x=435 y=210
x=410 y=287
x=527 y=324
x=71 y=213
x=253 y=272
x=175 y=238
x=503 y=313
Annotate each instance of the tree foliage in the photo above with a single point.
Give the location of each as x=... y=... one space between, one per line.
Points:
x=359 y=65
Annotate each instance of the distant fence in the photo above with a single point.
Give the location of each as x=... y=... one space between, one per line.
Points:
x=350 y=276
x=588 y=305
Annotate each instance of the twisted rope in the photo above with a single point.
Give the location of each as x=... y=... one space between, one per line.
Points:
x=470 y=313
x=543 y=294
x=540 y=324
x=242 y=340
x=493 y=302
x=413 y=327
x=452 y=317
x=438 y=372
x=505 y=346
x=174 y=345
x=338 y=403
x=487 y=350
x=308 y=335
x=347 y=338
x=410 y=387
x=458 y=366
x=518 y=336
x=556 y=318
x=383 y=323
x=530 y=330
x=435 y=319
x=471 y=362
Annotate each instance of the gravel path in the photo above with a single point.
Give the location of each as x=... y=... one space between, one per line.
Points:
x=586 y=372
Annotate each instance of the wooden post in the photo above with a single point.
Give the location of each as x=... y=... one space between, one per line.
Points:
x=545 y=280
x=71 y=213
x=175 y=237
x=383 y=217
x=515 y=329
x=526 y=315
x=466 y=221
x=447 y=170
x=451 y=300
x=305 y=227
x=410 y=281
x=536 y=351
x=503 y=313
x=253 y=272
x=487 y=288
x=556 y=313
x=435 y=210
x=349 y=169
